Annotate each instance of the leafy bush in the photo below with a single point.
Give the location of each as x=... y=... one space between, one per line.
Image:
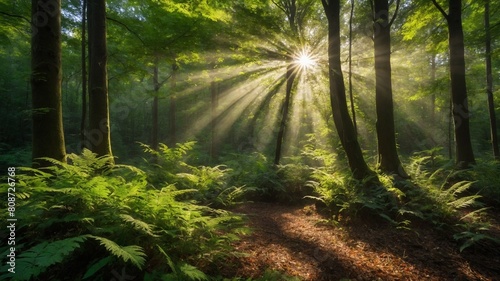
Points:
x=442 y=198
x=344 y=195
x=256 y=174
x=84 y=219
x=211 y=183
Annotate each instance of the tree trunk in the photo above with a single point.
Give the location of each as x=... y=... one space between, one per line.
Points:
x=341 y=118
x=388 y=159
x=433 y=81
x=291 y=73
x=173 y=105
x=461 y=115
x=156 y=90
x=351 y=97
x=46 y=78
x=84 y=76
x=489 y=81
x=213 y=112
x=98 y=136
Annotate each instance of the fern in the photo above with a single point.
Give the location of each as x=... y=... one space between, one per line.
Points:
x=133 y=253
x=182 y=271
x=93 y=269
x=139 y=225
x=39 y=258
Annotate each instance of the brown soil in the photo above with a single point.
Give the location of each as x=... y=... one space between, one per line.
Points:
x=297 y=241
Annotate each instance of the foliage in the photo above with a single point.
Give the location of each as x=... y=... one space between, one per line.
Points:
x=211 y=183
x=265 y=181
x=66 y=211
x=440 y=197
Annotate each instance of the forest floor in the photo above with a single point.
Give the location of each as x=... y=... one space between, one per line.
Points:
x=298 y=241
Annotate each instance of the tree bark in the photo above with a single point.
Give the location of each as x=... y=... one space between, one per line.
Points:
x=461 y=115
x=214 y=102
x=173 y=106
x=46 y=78
x=341 y=118
x=156 y=92
x=98 y=136
x=291 y=73
x=83 y=122
x=433 y=81
x=351 y=97
x=388 y=158
x=489 y=82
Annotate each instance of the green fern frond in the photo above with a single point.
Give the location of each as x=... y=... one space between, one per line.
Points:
x=139 y=225
x=464 y=201
x=96 y=267
x=459 y=187
x=39 y=258
x=133 y=253
x=474 y=213
x=192 y=272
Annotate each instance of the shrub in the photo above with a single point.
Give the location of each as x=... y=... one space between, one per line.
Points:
x=84 y=219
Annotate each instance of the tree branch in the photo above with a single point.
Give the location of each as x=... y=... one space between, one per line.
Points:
x=127 y=28
x=326 y=7
x=15 y=16
x=164 y=81
x=440 y=9
x=279 y=6
x=395 y=12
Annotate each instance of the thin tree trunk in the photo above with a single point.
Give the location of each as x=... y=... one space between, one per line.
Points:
x=84 y=75
x=341 y=118
x=213 y=112
x=489 y=81
x=156 y=92
x=291 y=73
x=433 y=94
x=98 y=136
x=351 y=97
x=173 y=105
x=388 y=158
x=46 y=78
x=450 y=130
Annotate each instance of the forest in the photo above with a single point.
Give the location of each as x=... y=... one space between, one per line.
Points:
x=249 y=140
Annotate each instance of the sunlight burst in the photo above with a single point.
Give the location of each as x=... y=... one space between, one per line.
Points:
x=305 y=60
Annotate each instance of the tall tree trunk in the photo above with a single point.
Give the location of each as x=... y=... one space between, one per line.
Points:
x=173 y=105
x=46 y=78
x=388 y=159
x=214 y=101
x=461 y=115
x=291 y=73
x=341 y=118
x=433 y=81
x=351 y=97
x=98 y=136
x=83 y=122
x=489 y=81
x=156 y=92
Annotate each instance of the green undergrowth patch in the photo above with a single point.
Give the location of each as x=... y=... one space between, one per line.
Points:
x=85 y=220
x=265 y=181
x=448 y=199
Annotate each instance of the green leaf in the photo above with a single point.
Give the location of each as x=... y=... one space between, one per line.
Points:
x=192 y=272
x=133 y=253
x=139 y=225
x=96 y=267
x=37 y=259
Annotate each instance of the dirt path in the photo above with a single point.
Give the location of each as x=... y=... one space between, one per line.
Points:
x=291 y=239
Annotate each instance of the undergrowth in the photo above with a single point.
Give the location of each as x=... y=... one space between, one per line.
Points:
x=265 y=181
x=84 y=220
x=437 y=194
x=170 y=165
